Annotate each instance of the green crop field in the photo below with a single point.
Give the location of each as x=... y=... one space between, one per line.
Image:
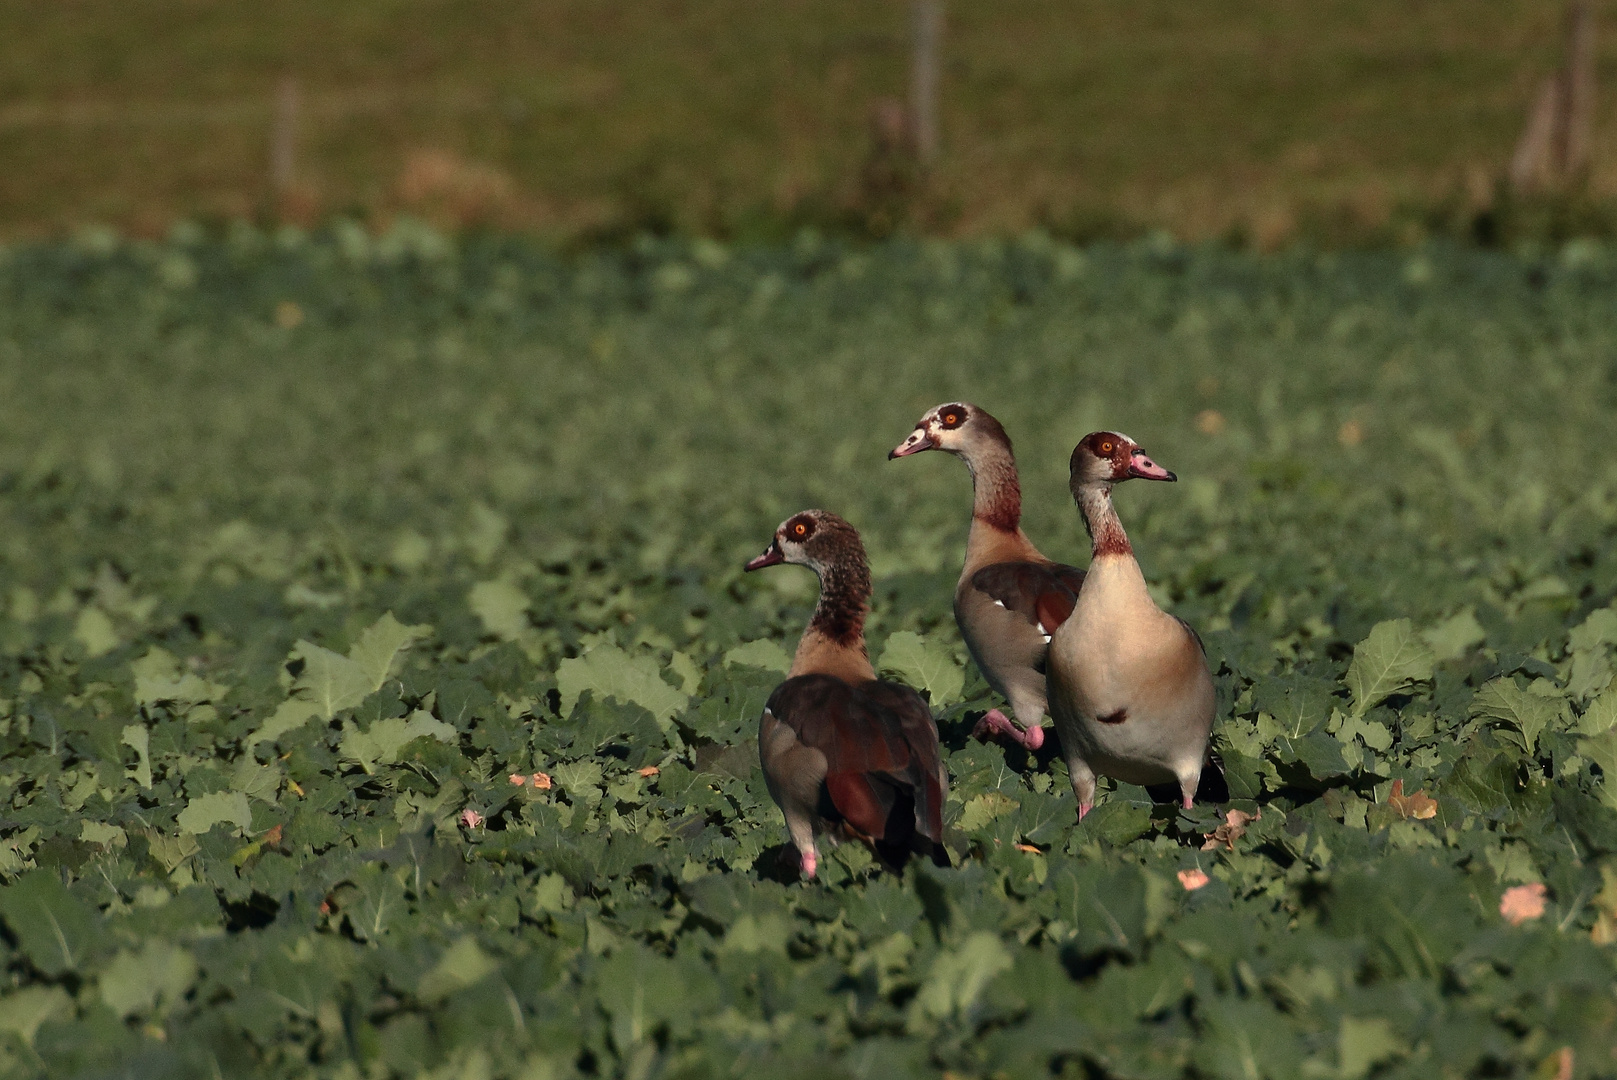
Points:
x=311 y=544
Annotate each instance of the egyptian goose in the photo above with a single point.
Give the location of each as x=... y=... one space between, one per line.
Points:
x=1010 y=598
x=844 y=753
x=1130 y=691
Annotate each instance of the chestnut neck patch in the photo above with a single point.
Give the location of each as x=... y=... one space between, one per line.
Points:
x=1100 y=518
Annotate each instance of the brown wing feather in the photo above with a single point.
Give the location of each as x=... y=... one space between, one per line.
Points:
x=924 y=777
x=1042 y=593
x=881 y=753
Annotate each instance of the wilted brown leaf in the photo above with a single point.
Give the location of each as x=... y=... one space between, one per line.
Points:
x=1522 y=902
x=1419 y=806
x=1234 y=827
x=1193 y=879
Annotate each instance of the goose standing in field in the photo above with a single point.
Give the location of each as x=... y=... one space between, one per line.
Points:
x=1010 y=598
x=844 y=753
x=1130 y=690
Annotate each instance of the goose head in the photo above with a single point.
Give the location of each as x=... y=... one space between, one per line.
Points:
x=817 y=539
x=1110 y=457
x=956 y=427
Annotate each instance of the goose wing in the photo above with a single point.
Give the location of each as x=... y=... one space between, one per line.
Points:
x=883 y=779
x=1042 y=593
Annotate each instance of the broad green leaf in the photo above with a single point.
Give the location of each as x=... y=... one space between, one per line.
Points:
x=1602 y=750
x=1601 y=715
x=256 y=781
x=137 y=737
x=94 y=630
x=690 y=676
x=1362 y=1043
x=762 y=653
x=330 y=680
x=134 y=982
x=54 y=929
x=215 y=808
x=1296 y=704
x=502 y=607
x=761 y=932
x=1590 y=674
x=385 y=738
x=1598 y=630
x=160 y=677
x=1529 y=713
x=380 y=645
x=982 y=809
x=958 y=977
x=290 y=715
x=581 y=780
x=22 y=1011
x=1390 y=659
x=640 y=991
x=97 y=832
x=926 y=664
x=1455 y=636
x=608 y=671
x=172 y=851
x=461 y=965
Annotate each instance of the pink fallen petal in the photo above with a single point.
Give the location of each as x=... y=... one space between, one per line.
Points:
x=1522 y=902
x=470 y=818
x=1193 y=879
x=518 y=779
x=541 y=781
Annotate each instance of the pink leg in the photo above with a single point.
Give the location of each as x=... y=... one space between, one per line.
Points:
x=1188 y=802
x=1084 y=808
x=811 y=862
x=995 y=723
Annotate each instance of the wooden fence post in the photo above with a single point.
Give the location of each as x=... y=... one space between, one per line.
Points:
x=926 y=35
x=1554 y=147
x=283 y=137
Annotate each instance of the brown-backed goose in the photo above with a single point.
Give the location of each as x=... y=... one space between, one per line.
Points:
x=1130 y=691
x=1010 y=598
x=844 y=753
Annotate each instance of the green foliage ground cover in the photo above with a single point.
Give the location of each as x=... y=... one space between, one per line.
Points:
x=310 y=545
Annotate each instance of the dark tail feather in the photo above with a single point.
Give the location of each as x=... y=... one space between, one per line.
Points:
x=1213 y=787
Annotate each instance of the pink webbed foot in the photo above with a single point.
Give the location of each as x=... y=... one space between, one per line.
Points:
x=811 y=863
x=995 y=723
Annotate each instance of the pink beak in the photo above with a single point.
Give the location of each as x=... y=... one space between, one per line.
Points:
x=919 y=440
x=1145 y=469
x=772 y=556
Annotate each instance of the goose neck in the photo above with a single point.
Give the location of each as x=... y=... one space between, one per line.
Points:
x=1100 y=518
x=996 y=491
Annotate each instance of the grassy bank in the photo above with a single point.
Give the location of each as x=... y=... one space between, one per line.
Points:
x=1343 y=122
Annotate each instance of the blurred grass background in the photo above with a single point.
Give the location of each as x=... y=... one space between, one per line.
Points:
x=1261 y=123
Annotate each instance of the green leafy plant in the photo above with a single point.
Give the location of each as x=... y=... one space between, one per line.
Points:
x=379 y=695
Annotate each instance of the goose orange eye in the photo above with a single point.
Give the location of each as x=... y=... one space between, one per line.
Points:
x=1106 y=448
x=800 y=529
x=951 y=419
